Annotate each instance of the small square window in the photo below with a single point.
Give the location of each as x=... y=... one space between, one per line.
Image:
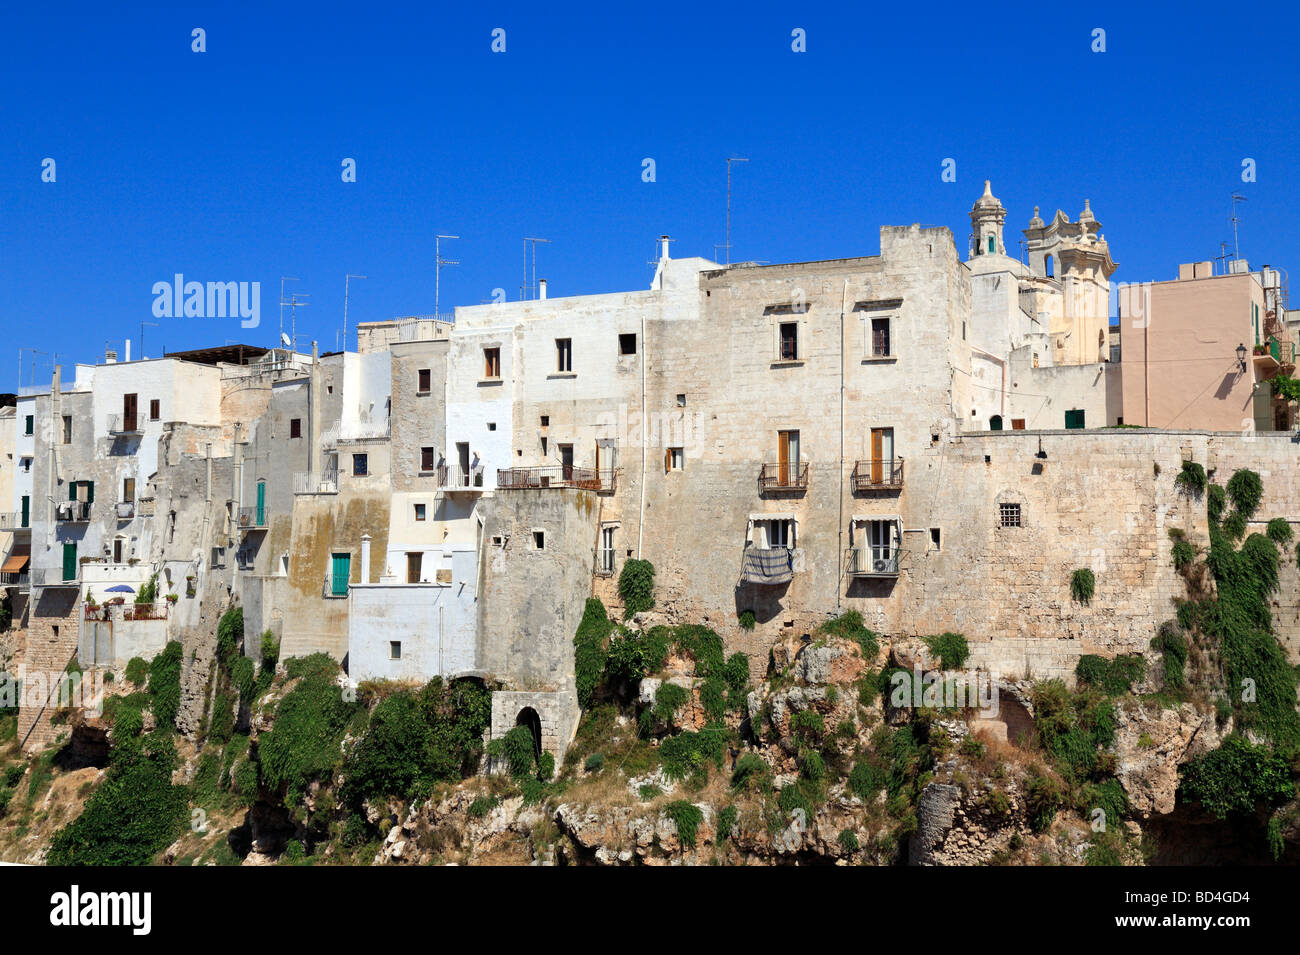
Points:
x=789 y=345
x=426 y=381
x=492 y=425
x=394 y=649
x=546 y=421
x=627 y=343
x=360 y=465
x=539 y=540
x=1009 y=515
x=419 y=512
x=681 y=401
x=674 y=459
x=295 y=427
x=426 y=459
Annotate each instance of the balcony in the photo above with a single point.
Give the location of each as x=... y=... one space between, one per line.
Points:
x=1273 y=356
x=21 y=580
x=125 y=510
x=460 y=479
x=873 y=561
x=785 y=476
x=768 y=565
x=252 y=518
x=878 y=474
x=72 y=512
x=544 y=477
x=123 y=425
x=313 y=482
x=335 y=586
x=51 y=577
x=608 y=480
x=12 y=521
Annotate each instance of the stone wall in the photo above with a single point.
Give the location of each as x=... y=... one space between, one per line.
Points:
x=557 y=714
x=52 y=637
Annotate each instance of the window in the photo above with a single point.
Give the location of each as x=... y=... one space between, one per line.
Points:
x=414 y=564
x=880 y=338
x=394 y=649
x=935 y=539
x=770 y=534
x=419 y=512
x=340 y=571
x=492 y=425
x=992 y=246
x=360 y=463
x=425 y=385
x=788 y=348
x=995 y=423
x=426 y=459
x=681 y=401
x=492 y=363
x=607 y=550
x=546 y=421
x=543 y=445
x=155 y=409
x=627 y=343
x=1017 y=424
x=1009 y=515
x=26 y=464
x=117 y=550
x=128 y=492
x=564 y=354
x=1074 y=418
x=539 y=540
x=67 y=429
x=674 y=459
x=30 y=425
x=295 y=427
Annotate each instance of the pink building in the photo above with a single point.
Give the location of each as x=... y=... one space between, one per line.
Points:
x=1199 y=351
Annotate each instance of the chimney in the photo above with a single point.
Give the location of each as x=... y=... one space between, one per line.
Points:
x=127 y=353
x=365 y=558
x=663 y=248
x=110 y=356
x=541 y=288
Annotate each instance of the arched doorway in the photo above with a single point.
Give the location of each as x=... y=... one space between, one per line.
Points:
x=995 y=423
x=528 y=717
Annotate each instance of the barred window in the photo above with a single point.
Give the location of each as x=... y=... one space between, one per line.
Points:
x=1009 y=514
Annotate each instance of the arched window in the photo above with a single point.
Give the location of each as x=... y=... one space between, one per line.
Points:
x=995 y=423
x=992 y=244
x=1049 y=267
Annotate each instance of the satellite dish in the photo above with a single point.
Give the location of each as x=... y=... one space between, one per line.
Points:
x=284 y=339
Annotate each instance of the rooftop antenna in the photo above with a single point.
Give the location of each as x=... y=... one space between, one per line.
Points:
x=730 y=160
x=283 y=303
x=346 y=279
x=531 y=288
x=1222 y=257
x=1236 y=249
x=294 y=304
x=438 y=263
x=142 y=325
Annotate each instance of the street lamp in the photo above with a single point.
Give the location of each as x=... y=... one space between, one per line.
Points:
x=1241 y=356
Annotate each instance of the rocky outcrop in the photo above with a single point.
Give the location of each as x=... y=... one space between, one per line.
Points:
x=1150 y=745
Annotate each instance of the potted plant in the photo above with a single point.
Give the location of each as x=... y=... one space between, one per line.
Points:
x=172 y=598
x=189 y=585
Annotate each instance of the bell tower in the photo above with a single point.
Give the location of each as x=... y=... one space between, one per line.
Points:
x=986 y=219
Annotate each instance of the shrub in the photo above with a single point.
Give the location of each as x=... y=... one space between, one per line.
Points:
x=1215 y=501
x=516 y=748
x=165 y=684
x=589 y=649
x=1083 y=584
x=849 y=626
x=687 y=818
x=848 y=840
x=1113 y=677
x=481 y=806
x=1183 y=554
x=1044 y=795
x=951 y=649
x=636 y=587
x=1236 y=778
x=867 y=779
x=669 y=698
x=1108 y=796
x=727 y=822
x=747 y=620
x=305 y=741
x=149 y=592
x=230 y=634
x=270 y=650
x=137 y=671
x=595 y=763
x=545 y=766
x=633 y=656
x=1279 y=531
x=1173 y=647
x=1191 y=478
x=689 y=754
x=751 y=772
x=1245 y=489
x=1234 y=525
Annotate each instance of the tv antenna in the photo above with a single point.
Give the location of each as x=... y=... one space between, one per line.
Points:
x=346 y=279
x=730 y=160
x=438 y=263
x=531 y=288
x=1222 y=257
x=294 y=304
x=283 y=303
x=1236 y=248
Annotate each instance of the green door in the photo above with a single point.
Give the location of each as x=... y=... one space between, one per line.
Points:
x=27 y=510
x=1074 y=419
x=69 y=561
x=339 y=573
x=261 y=503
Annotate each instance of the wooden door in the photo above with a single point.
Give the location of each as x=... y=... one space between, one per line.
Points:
x=413 y=561
x=877 y=454
x=128 y=412
x=783 y=458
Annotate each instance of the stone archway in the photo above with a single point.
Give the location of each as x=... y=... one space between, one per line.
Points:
x=528 y=717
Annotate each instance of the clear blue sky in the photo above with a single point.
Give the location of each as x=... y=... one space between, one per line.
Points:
x=226 y=165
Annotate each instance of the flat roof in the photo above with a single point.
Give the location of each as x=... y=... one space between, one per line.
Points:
x=220 y=354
